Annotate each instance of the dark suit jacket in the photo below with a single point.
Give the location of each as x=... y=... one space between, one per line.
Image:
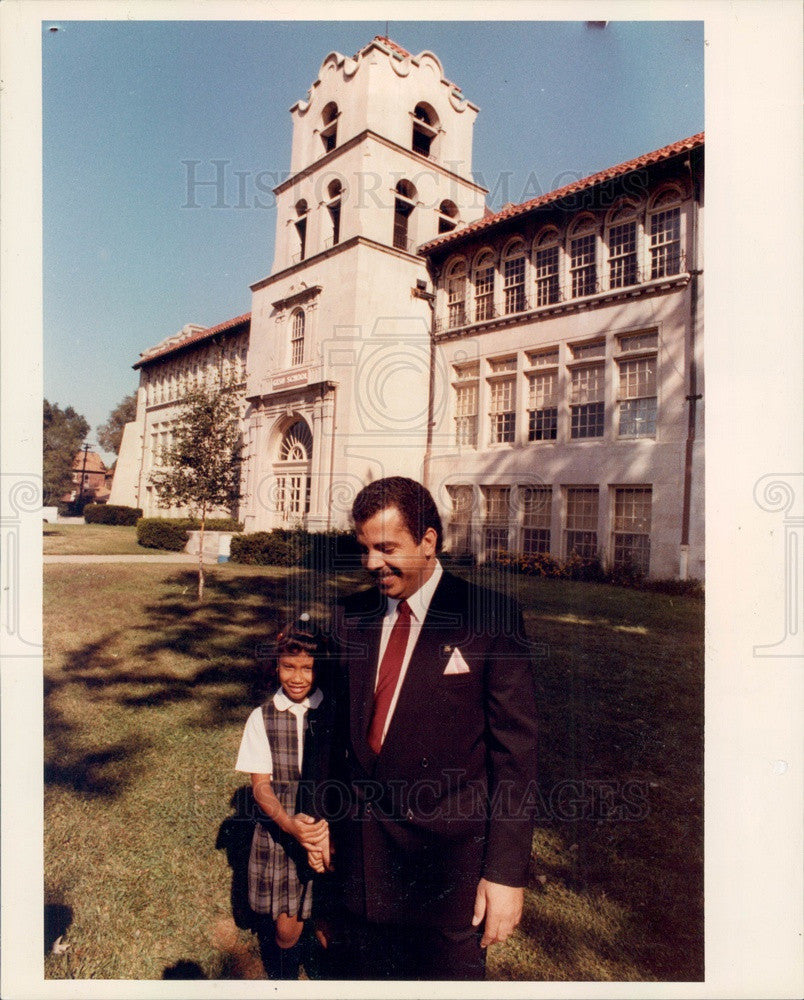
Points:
x=445 y=801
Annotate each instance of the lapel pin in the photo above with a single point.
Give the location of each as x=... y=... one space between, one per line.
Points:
x=448 y=650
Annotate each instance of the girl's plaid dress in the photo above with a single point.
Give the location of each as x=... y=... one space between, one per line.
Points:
x=279 y=879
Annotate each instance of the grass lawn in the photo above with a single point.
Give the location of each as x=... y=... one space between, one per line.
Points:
x=146 y=695
x=91 y=539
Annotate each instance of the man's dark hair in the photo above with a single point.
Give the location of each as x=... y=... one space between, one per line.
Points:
x=410 y=498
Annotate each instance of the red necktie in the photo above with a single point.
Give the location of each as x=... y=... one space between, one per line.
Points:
x=390 y=668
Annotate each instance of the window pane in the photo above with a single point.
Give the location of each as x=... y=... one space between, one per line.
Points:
x=582 y=265
x=514 y=284
x=632 y=520
x=587 y=420
x=546 y=276
x=588 y=384
x=484 y=293
x=637 y=378
x=665 y=243
x=638 y=417
x=543 y=425
x=622 y=255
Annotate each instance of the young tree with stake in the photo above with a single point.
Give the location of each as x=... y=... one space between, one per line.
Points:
x=201 y=470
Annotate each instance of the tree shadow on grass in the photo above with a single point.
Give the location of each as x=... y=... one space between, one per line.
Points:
x=634 y=716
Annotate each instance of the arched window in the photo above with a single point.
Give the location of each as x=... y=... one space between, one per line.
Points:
x=425 y=129
x=297 y=338
x=447 y=216
x=513 y=268
x=546 y=264
x=297 y=443
x=664 y=232
x=329 y=126
x=301 y=225
x=583 y=257
x=483 y=281
x=404 y=204
x=292 y=471
x=334 y=192
x=456 y=294
x=622 y=238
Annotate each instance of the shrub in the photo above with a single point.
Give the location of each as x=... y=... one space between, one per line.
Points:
x=320 y=550
x=162 y=533
x=107 y=513
x=582 y=568
x=267 y=548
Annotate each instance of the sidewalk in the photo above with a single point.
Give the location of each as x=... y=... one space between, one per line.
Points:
x=166 y=557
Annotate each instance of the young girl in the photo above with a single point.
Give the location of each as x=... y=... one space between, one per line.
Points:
x=277 y=738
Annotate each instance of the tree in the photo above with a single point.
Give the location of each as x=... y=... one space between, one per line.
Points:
x=110 y=434
x=201 y=470
x=63 y=433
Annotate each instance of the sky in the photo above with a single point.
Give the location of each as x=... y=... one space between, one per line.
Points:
x=130 y=257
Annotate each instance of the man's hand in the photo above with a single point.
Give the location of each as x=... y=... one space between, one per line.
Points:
x=501 y=908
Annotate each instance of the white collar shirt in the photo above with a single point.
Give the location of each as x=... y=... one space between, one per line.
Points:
x=419 y=604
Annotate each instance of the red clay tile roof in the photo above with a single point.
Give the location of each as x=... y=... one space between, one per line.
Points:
x=392 y=45
x=511 y=211
x=194 y=338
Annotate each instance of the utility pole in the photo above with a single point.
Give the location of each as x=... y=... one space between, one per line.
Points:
x=83 y=471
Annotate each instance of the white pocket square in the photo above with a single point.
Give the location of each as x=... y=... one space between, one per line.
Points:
x=456 y=664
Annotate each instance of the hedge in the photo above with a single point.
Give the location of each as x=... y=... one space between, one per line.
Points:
x=578 y=568
x=320 y=550
x=109 y=513
x=161 y=533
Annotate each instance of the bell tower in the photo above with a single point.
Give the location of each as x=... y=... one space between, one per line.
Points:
x=340 y=330
x=382 y=148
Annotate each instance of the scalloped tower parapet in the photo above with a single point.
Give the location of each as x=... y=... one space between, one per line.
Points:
x=377 y=90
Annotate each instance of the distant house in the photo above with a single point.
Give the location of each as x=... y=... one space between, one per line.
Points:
x=97 y=479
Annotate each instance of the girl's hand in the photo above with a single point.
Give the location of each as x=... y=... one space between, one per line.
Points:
x=310 y=833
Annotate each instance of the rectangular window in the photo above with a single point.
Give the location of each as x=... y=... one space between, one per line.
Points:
x=582 y=265
x=514 y=285
x=402 y=210
x=587 y=401
x=631 y=535
x=623 y=255
x=547 y=276
x=543 y=359
x=665 y=243
x=637 y=397
x=456 y=301
x=536 y=513
x=502 y=414
x=495 y=527
x=580 y=535
x=484 y=294
x=645 y=341
x=466 y=414
x=460 y=525
x=543 y=406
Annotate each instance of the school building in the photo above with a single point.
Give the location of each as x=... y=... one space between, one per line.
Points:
x=539 y=368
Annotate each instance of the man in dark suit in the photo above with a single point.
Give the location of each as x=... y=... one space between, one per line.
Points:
x=438 y=741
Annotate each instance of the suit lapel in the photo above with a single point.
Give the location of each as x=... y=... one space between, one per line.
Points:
x=362 y=672
x=426 y=664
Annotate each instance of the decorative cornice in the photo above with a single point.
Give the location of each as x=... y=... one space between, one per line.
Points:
x=368 y=133
x=330 y=252
x=300 y=296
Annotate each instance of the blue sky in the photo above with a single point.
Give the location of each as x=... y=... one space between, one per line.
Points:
x=127 y=264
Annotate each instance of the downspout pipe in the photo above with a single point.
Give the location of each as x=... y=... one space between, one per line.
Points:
x=428 y=447
x=693 y=395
